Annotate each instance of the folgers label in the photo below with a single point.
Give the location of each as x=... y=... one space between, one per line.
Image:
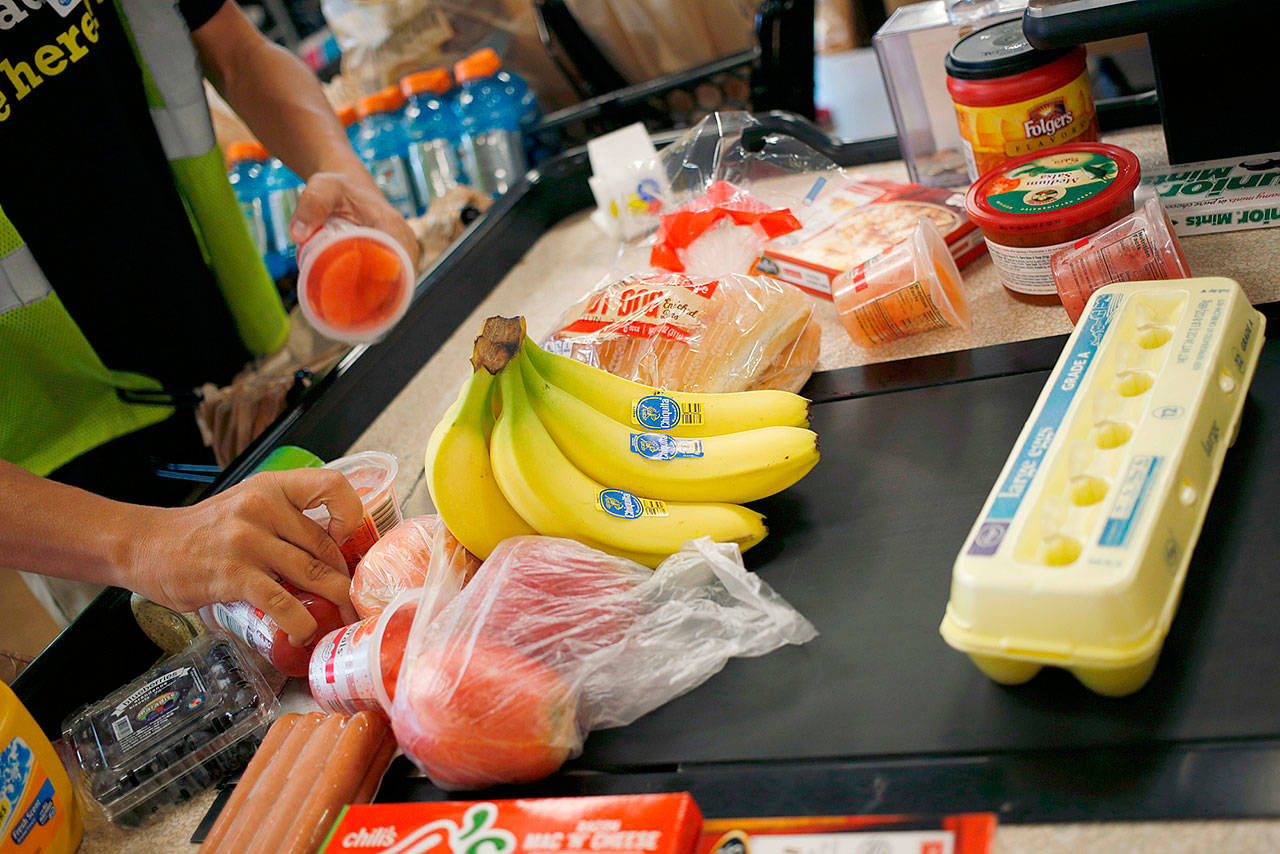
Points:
x=615 y=824
x=1012 y=99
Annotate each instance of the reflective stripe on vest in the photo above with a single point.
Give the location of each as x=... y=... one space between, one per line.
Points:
x=180 y=112
x=22 y=282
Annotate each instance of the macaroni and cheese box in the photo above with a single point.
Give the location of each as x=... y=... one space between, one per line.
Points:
x=612 y=824
x=850 y=222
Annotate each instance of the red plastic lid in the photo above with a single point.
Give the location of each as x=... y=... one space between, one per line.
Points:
x=432 y=80
x=1053 y=188
x=246 y=150
x=386 y=100
x=483 y=63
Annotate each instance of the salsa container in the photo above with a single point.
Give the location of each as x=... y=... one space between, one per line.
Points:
x=1033 y=206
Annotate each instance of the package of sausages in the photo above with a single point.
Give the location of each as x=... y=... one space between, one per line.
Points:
x=553 y=639
x=307 y=769
x=693 y=333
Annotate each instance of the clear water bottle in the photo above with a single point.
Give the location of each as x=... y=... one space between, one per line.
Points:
x=381 y=144
x=433 y=133
x=247 y=171
x=491 y=106
x=283 y=189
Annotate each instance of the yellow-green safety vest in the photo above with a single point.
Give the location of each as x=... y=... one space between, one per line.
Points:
x=57 y=398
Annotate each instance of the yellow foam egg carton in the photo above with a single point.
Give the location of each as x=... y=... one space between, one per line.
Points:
x=1078 y=556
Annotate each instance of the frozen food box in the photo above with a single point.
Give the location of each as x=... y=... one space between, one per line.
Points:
x=849 y=222
x=1231 y=194
x=610 y=824
x=1078 y=557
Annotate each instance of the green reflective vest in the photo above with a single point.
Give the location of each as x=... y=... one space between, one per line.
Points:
x=57 y=398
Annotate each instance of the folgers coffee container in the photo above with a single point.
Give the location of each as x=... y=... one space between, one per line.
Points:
x=1012 y=99
x=1033 y=206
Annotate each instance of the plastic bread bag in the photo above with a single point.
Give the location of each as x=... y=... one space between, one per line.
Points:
x=553 y=639
x=694 y=333
x=419 y=552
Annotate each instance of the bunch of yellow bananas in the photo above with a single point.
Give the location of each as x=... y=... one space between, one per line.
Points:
x=576 y=452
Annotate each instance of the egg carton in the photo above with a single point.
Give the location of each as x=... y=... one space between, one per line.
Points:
x=1078 y=557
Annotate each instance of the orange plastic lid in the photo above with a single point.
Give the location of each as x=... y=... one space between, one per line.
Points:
x=347 y=115
x=246 y=149
x=383 y=101
x=482 y=63
x=432 y=80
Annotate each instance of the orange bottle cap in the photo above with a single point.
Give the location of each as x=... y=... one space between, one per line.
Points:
x=385 y=100
x=347 y=115
x=482 y=63
x=246 y=149
x=432 y=80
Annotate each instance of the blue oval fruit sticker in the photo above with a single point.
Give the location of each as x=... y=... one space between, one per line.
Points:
x=656 y=412
x=624 y=505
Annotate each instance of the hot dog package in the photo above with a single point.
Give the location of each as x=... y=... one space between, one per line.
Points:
x=553 y=639
x=416 y=553
x=693 y=333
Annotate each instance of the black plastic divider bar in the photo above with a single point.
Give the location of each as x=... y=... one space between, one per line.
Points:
x=1145 y=783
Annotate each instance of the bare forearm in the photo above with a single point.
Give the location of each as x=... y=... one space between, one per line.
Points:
x=276 y=95
x=54 y=529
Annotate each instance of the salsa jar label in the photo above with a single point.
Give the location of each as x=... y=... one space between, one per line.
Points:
x=1051 y=182
x=995 y=134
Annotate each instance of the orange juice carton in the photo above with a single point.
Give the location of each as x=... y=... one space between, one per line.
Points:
x=1078 y=557
x=609 y=824
x=849 y=222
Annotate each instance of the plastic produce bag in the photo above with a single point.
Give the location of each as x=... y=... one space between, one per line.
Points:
x=728 y=225
x=419 y=552
x=692 y=333
x=553 y=639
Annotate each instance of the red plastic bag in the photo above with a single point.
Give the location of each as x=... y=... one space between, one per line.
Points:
x=553 y=639
x=722 y=201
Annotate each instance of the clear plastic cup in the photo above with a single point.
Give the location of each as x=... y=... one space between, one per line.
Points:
x=912 y=286
x=1139 y=248
x=355 y=667
x=354 y=283
x=373 y=476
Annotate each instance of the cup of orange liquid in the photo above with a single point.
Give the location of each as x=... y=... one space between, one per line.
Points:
x=354 y=282
x=912 y=286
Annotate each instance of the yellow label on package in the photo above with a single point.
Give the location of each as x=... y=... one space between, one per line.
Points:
x=1078 y=557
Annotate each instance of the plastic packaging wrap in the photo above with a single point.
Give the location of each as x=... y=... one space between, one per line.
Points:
x=553 y=639
x=419 y=552
x=684 y=234
x=688 y=333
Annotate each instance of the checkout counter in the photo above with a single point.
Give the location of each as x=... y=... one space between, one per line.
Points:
x=877 y=715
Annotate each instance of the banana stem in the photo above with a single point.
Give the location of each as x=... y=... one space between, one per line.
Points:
x=498 y=343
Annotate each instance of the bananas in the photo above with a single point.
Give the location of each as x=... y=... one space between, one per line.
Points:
x=460 y=477
x=579 y=453
x=693 y=415
x=557 y=499
x=735 y=467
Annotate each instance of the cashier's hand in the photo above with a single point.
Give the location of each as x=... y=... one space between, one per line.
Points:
x=241 y=543
x=352 y=196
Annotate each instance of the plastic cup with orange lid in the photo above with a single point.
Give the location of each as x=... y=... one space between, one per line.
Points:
x=354 y=282
x=912 y=286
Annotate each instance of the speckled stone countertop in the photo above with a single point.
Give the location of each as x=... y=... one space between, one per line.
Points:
x=574 y=256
